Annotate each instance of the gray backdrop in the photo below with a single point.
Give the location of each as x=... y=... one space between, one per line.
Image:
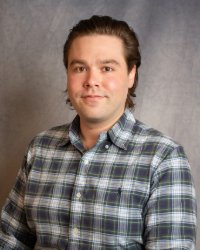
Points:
x=32 y=76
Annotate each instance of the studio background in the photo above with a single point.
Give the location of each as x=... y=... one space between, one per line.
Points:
x=33 y=80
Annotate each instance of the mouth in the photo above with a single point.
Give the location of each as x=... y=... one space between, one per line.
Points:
x=92 y=98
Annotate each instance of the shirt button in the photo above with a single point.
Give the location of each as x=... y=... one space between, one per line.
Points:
x=106 y=146
x=81 y=180
x=86 y=162
x=75 y=231
x=78 y=195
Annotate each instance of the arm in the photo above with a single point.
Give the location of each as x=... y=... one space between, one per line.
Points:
x=171 y=210
x=14 y=231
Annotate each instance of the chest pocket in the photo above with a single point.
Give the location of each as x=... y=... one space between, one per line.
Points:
x=120 y=216
x=116 y=202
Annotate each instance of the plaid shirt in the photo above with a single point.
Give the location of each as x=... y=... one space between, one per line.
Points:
x=132 y=190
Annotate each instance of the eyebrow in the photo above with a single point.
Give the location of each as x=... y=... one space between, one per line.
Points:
x=106 y=61
x=77 y=61
x=109 y=61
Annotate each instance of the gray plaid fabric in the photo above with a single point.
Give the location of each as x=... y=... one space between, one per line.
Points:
x=133 y=190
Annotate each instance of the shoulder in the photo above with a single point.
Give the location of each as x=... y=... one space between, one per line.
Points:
x=147 y=134
x=52 y=137
x=154 y=143
x=136 y=136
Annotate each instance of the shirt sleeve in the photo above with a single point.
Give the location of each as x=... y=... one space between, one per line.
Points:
x=170 y=221
x=14 y=230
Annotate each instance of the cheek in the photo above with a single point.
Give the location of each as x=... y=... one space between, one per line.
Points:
x=117 y=85
x=73 y=84
x=71 y=91
x=111 y=83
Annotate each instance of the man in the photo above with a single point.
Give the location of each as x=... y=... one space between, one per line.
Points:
x=105 y=181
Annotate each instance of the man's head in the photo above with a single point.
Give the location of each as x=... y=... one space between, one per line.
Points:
x=105 y=25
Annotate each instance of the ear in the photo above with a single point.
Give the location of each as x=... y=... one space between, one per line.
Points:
x=131 y=77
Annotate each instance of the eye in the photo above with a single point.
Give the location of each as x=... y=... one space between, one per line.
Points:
x=107 y=69
x=80 y=69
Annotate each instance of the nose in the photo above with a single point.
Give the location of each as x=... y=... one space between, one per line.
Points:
x=93 y=79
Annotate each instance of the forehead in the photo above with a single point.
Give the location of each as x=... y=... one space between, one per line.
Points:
x=97 y=44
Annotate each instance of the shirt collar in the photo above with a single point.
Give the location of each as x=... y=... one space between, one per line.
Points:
x=72 y=133
x=120 y=133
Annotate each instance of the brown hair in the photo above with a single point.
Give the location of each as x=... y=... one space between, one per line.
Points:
x=105 y=25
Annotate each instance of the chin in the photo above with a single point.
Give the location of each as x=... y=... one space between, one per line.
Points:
x=92 y=118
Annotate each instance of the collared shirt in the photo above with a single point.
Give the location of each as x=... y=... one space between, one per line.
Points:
x=132 y=190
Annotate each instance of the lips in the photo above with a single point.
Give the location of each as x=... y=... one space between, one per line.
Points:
x=92 y=98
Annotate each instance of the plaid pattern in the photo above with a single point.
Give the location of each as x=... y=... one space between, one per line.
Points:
x=133 y=190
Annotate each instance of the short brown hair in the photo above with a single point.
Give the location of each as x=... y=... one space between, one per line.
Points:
x=105 y=25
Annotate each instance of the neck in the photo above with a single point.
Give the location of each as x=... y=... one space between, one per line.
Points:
x=90 y=130
x=90 y=134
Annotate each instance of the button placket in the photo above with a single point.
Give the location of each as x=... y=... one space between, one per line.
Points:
x=77 y=206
